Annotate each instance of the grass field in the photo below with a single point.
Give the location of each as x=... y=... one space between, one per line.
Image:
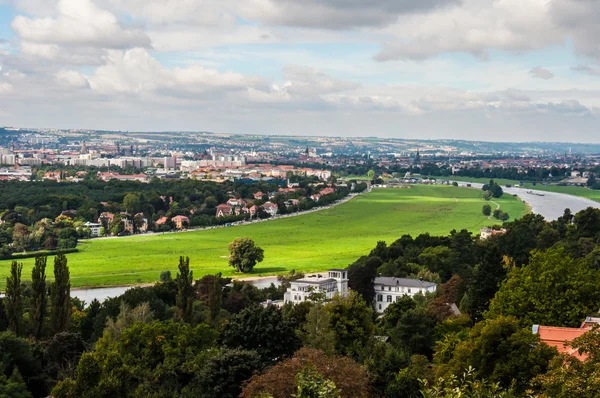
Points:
x=575 y=191
x=313 y=242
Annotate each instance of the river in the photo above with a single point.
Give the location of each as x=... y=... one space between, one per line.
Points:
x=102 y=293
x=551 y=205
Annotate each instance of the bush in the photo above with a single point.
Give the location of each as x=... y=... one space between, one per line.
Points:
x=487 y=210
x=165 y=276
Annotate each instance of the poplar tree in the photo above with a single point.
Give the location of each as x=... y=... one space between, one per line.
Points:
x=14 y=299
x=39 y=299
x=185 y=292
x=60 y=296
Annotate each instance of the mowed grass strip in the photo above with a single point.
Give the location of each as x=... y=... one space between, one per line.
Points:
x=312 y=242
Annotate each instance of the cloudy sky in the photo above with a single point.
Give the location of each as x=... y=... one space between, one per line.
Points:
x=504 y=70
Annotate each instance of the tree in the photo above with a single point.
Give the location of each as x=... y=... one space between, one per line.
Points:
x=131 y=203
x=570 y=376
x=311 y=384
x=371 y=174
x=280 y=380
x=14 y=299
x=316 y=331
x=185 y=291
x=13 y=386
x=224 y=373
x=60 y=296
x=553 y=289
x=158 y=359
x=262 y=329
x=244 y=254
x=466 y=386
x=502 y=352
x=39 y=298
x=361 y=275
x=17 y=355
x=351 y=320
x=487 y=210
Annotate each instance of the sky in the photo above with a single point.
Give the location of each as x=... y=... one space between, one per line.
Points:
x=493 y=70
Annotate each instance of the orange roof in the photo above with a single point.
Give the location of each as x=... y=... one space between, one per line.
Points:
x=560 y=337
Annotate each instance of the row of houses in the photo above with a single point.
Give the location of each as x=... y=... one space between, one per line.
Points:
x=387 y=290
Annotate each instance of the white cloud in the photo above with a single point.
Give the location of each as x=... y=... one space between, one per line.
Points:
x=335 y=14
x=79 y=22
x=72 y=79
x=541 y=73
x=474 y=27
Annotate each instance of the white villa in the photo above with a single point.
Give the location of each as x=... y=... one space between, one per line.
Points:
x=389 y=290
x=94 y=228
x=336 y=282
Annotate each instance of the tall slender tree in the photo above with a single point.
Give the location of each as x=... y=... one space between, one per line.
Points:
x=39 y=299
x=60 y=295
x=14 y=298
x=185 y=291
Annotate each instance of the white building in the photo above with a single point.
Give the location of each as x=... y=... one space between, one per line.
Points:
x=94 y=228
x=389 y=290
x=336 y=282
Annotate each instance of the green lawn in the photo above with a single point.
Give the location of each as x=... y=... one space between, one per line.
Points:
x=312 y=242
x=575 y=191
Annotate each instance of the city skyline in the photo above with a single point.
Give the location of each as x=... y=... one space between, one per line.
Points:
x=501 y=71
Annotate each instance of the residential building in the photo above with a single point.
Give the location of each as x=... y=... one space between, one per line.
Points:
x=560 y=337
x=336 y=282
x=485 y=233
x=224 y=211
x=389 y=290
x=181 y=222
x=94 y=228
x=270 y=208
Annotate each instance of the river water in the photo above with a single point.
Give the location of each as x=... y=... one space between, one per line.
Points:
x=102 y=293
x=551 y=205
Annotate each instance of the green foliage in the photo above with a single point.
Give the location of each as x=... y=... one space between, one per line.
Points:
x=39 y=299
x=13 y=386
x=466 y=386
x=60 y=296
x=17 y=355
x=351 y=321
x=415 y=332
x=502 y=352
x=394 y=312
x=316 y=331
x=361 y=275
x=13 y=301
x=224 y=373
x=262 y=329
x=185 y=291
x=553 y=289
x=244 y=254
x=311 y=384
x=573 y=377
x=165 y=276
x=487 y=210
x=157 y=359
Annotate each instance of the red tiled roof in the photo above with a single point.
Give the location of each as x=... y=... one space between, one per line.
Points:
x=560 y=337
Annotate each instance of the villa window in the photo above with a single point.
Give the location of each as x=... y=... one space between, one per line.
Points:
x=409 y=289
x=389 y=298
x=379 y=297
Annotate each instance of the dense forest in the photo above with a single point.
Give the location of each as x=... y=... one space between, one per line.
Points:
x=211 y=337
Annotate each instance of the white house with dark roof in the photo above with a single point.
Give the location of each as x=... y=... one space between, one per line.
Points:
x=389 y=290
x=336 y=282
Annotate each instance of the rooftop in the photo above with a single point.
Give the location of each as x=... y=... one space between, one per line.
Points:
x=391 y=281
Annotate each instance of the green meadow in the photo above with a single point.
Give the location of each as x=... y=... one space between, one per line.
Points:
x=333 y=237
